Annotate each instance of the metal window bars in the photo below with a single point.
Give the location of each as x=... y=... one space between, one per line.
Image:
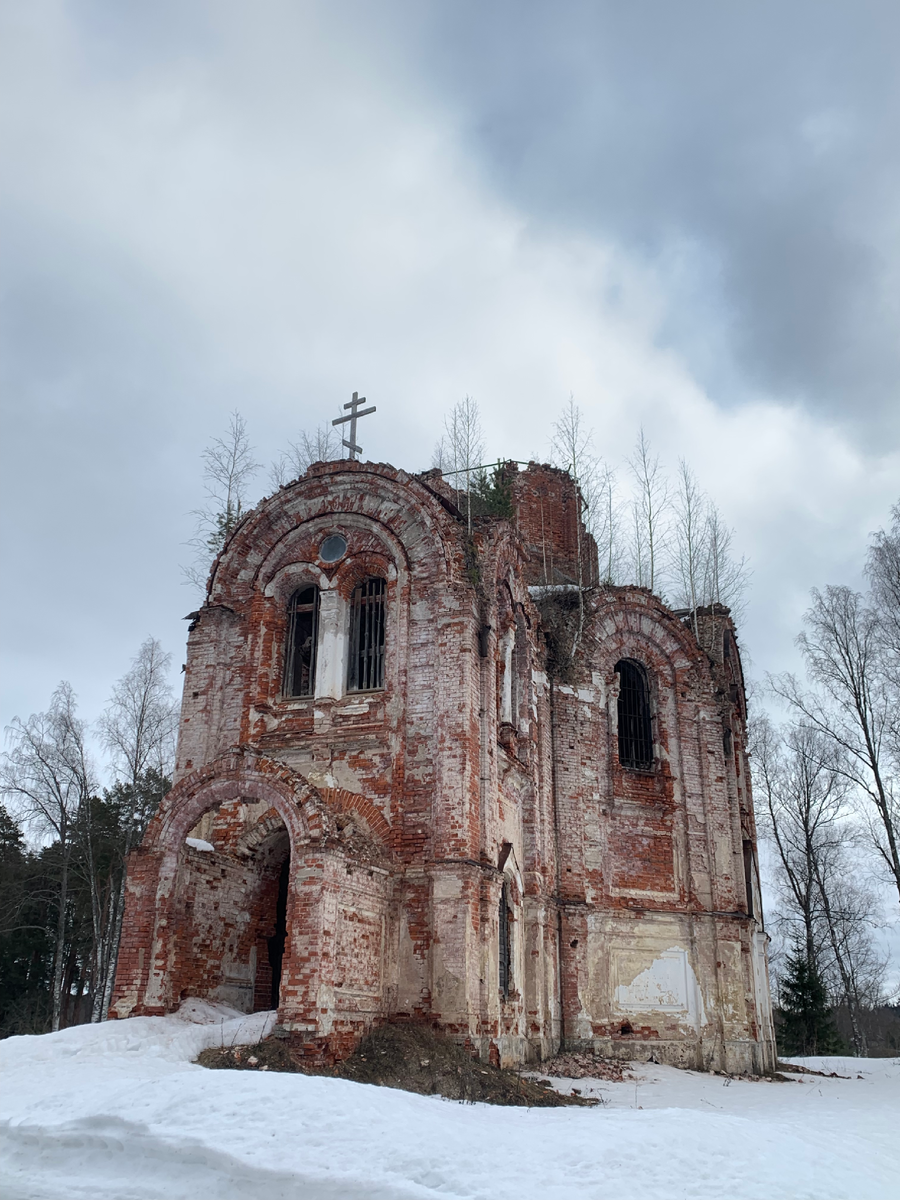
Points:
x=300 y=651
x=635 y=726
x=504 y=917
x=367 y=624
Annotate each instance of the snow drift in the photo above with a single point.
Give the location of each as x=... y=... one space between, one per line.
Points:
x=119 y=1112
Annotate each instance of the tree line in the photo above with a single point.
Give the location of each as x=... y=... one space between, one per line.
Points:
x=651 y=529
x=827 y=783
x=64 y=842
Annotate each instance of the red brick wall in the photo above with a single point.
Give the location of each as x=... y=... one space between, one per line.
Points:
x=407 y=810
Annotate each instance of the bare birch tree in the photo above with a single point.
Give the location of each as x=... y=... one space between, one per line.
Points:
x=228 y=468
x=461 y=449
x=650 y=515
x=850 y=704
x=322 y=445
x=49 y=778
x=725 y=578
x=572 y=447
x=803 y=782
x=883 y=570
x=138 y=729
x=805 y=793
x=607 y=526
x=689 y=542
x=704 y=568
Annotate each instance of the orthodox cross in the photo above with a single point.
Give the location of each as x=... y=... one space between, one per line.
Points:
x=355 y=412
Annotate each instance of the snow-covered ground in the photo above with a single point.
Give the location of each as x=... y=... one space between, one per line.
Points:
x=118 y=1112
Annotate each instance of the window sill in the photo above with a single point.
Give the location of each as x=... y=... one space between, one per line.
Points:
x=346 y=698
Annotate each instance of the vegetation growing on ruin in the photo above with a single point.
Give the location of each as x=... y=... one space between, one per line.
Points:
x=560 y=619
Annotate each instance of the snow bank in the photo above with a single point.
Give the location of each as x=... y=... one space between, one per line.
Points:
x=199 y=844
x=118 y=1112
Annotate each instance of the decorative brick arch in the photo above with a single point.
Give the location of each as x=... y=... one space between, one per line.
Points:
x=142 y=978
x=237 y=774
x=269 y=824
x=410 y=518
x=340 y=800
x=632 y=622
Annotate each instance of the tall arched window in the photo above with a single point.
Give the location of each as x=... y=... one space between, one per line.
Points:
x=366 y=667
x=300 y=651
x=504 y=917
x=635 y=729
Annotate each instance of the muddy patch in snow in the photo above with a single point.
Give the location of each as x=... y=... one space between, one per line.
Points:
x=414 y=1058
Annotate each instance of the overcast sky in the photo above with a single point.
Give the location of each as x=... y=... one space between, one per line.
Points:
x=684 y=214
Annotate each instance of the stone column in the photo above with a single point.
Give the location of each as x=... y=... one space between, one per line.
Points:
x=331 y=646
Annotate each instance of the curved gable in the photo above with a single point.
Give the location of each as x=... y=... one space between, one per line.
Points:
x=389 y=505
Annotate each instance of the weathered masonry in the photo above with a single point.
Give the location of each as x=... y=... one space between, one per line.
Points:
x=422 y=772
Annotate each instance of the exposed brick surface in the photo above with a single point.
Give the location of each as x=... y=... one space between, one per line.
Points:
x=405 y=813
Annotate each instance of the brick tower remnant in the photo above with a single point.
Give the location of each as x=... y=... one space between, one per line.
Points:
x=444 y=775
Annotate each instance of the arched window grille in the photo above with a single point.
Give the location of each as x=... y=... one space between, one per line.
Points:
x=366 y=668
x=300 y=651
x=635 y=728
x=749 y=871
x=505 y=922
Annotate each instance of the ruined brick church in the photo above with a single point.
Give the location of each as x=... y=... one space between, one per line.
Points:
x=423 y=772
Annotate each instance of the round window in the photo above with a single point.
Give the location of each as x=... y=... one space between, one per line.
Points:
x=333 y=548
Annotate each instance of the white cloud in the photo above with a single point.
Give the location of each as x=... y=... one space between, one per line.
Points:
x=271 y=213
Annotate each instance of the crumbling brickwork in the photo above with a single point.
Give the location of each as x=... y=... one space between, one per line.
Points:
x=469 y=843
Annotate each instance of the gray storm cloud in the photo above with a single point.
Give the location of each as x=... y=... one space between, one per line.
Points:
x=683 y=214
x=750 y=152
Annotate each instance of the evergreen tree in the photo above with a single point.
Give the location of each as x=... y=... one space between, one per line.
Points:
x=26 y=933
x=806 y=1019
x=492 y=493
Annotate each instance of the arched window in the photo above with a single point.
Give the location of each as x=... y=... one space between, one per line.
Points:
x=505 y=924
x=300 y=651
x=635 y=730
x=366 y=667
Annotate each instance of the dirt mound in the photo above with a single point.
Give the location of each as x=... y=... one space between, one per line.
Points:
x=415 y=1058
x=273 y=1054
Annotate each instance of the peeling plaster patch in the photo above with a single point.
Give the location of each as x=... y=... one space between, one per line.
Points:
x=348 y=779
x=322 y=779
x=667 y=985
x=199 y=844
x=447 y=887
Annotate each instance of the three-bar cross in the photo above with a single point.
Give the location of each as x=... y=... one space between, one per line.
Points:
x=355 y=412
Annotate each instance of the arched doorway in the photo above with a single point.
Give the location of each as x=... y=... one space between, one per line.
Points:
x=276 y=942
x=268 y=916
x=232 y=904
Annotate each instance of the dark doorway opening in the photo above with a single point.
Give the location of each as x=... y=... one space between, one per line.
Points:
x=278 y=938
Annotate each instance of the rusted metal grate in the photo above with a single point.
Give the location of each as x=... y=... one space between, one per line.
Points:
x=366 y=671
x=635 y=727
x=300 y=656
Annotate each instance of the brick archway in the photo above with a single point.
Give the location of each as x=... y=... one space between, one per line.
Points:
x=238 y=774
x=149 y=944
x=340 y=800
